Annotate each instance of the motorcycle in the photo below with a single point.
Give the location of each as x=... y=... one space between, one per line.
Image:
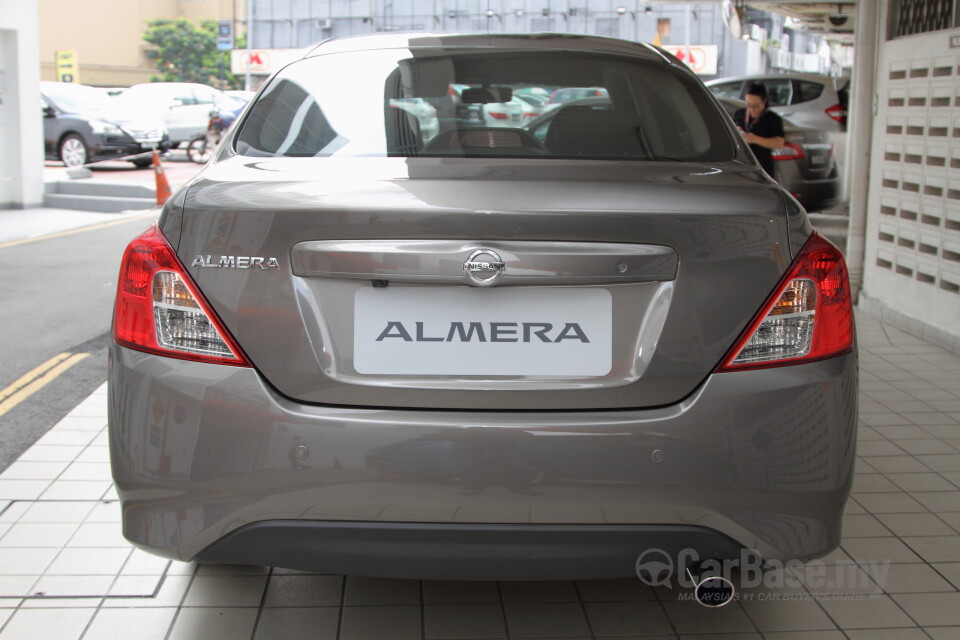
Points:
x=202 y=147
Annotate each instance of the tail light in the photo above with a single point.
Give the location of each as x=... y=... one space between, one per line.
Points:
x=498 y=115
x=809 y=316
x=838 y=112
x=789 y=151
x=160 y=310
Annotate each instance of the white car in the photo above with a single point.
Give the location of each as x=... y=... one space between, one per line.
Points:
x=184 y=106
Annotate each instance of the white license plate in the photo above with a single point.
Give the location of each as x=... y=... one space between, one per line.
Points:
x=538 y=331
x=817 y=161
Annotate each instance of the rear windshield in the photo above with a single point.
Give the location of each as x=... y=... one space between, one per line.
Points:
x=470 y=103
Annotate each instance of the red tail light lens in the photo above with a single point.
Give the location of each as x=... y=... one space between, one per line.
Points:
x=499 y=115
x=838 y=112
x=160 y=310
x=789 y=151
x=809 y=317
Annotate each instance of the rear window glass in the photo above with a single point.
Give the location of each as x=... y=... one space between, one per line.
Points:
x=806 y=91
x=437 y=102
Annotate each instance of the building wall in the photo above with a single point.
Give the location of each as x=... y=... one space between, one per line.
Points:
x=912 y=256
x=107 y=34
x=295 y=24
x=21 y=154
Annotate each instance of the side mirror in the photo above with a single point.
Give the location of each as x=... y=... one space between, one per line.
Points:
x=48 y=112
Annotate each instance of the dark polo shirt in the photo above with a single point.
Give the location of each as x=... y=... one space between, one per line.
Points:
x=769 y=125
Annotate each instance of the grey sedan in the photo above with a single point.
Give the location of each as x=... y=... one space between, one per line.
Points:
x=487 y=355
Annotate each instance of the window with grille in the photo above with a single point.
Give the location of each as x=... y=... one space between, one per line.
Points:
x=910 y=17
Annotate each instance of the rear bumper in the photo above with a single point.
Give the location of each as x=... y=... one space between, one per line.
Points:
x=212 y=464
x=814 y=195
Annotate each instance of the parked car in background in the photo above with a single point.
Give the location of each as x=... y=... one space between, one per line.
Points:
x=185 y=107
x=566 y=94
x=483 y=356
x=425 y=112
x=807 y=99
x=806 y=166
x=82 y=124
x=241 y=95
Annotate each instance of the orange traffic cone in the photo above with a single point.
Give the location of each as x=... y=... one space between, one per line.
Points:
x=163 y=186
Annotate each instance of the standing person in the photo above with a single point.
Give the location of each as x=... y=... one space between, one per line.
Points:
x=761 y=128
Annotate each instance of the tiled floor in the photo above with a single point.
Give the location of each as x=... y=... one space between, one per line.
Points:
x=65 y=571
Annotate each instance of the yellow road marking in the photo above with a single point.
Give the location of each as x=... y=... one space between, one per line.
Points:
x=70 y=232
x=37 y=379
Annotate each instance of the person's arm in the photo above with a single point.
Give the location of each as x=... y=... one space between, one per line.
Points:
x=768 y=143
x=773 y=127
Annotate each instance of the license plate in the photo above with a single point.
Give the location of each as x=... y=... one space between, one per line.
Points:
x=817 y=161
x=529 y=331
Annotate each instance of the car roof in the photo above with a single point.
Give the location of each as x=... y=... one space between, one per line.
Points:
x=814 y=77
x=541 y=41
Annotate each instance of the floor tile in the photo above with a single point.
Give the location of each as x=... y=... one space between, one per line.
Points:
x=538 y=592
x=75 y=562
x=304 y=591
x=627 y=618
x=216 y=591
x=22 y=470
x=921 y=482
x=314 y=622
x=547 y=620
x=400 y=622
x=455 y=592
x=909 y=578
x=772 y=614
x=459 y=621
x=915 y=524
x=932 y=609
x=378 y=591
x=76 y=490
x=171 y=593
x=57 y=511
x=939 y=501
x=54 y=586
x=32 y=624
x=879 y=550
x=34 y=535
x=863 y=525
x=692 y=617
x=116 y=624
x=877 y=612
x=877 y=503
x=873 y=483
x=623 y=590
x=193 y=623
x=936 y=548
x=24 y=561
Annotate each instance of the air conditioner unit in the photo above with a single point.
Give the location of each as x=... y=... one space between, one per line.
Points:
x=840 y=23
x=324 y=23
x=757 y=33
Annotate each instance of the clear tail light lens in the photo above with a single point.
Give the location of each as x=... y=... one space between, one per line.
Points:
x=838 y=112
x=159 y=309
x=809 y=317
x=789 y=151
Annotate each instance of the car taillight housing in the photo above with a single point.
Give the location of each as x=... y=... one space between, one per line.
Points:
x=499 y=115
x=808 y=317
x=160 y=310
x=838 y=112
x=789 y=151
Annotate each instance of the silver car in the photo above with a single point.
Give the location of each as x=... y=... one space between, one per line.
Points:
x=808 y=99
x=485 y=356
